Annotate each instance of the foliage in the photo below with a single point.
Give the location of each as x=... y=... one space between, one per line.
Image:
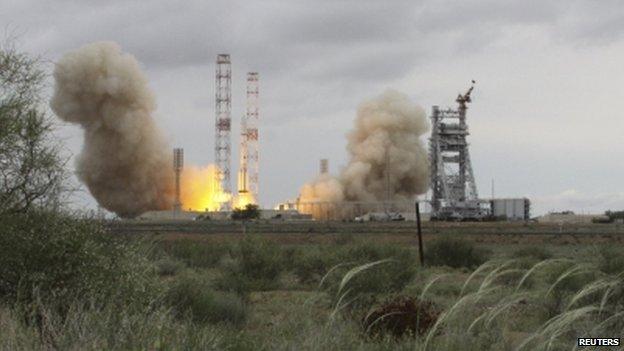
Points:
x=190 y=295
x=311 y=265
x=536 y=252
x=166 y=266
x=392 y=276
x=611 y=260
x=400 y=316
x=256 y=264
x=195 y=253
x=58 y=259
x=251 y=211
x=32 y=172
x=454 y=252
x=613 y=215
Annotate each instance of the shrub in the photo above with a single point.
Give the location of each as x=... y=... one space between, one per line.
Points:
x=535 y=252
x=194 y=297
x=400 y=316
x=256 y=265
x=260 y=258
x=167 y=266
x=312 y=264
x=55 y=259
x=195 y=253
x=611 y=260
x=250 y=211
x=455 y=253
x=391 y=276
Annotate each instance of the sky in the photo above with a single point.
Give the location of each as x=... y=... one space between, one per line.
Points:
x=546 y=120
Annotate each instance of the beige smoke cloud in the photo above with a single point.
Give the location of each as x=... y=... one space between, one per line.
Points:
x=125 y=161
x=388 y=161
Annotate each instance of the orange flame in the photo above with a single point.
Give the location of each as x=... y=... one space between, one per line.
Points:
x=243 y=199
x=200 y=191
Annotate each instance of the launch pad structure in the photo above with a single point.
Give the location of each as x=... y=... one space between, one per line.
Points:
x=178 y=164
x=249 y=167
x=223 y=125
x=454 y=191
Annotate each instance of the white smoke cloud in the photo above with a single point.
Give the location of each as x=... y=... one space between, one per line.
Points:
x=387 y=158
x=125 y=161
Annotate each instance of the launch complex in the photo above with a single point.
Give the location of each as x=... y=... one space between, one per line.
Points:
x=453 y=190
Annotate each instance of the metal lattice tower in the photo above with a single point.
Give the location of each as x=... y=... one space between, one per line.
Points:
x=243 y=174
x=178 y=164
x=324 y=166
x=454 y=192
x=223 y=123
x=251 y=133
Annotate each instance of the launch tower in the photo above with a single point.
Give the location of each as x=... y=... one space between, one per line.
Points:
x=223 y=123
x=249 y=168
x=454 y=192
x=178 y=164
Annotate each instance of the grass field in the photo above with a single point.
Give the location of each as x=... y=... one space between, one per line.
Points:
x=351 y=286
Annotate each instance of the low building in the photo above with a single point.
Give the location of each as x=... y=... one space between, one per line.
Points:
x=518 y=209
x=567 y=217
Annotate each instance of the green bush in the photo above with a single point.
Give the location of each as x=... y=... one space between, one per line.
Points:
x=56 y=259
x=167 y=266
x=193 y=296
x=392 y=276
x=260 y=258
x=256 y=264
x=367 y=272
x=196 y=253
x=250 y=212
x=536 y=252
x=311 y=265
x=611 y=260
x=454 y=252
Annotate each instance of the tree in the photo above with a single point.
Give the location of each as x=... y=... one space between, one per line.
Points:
x=250 y=211
x=32 y=170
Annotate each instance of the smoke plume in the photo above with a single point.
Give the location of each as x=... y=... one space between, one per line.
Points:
x=125 y=161
x=387 y=160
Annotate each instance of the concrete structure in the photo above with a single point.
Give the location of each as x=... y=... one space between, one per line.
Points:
x=454 y=191
x=511 y=209
x=223 y=123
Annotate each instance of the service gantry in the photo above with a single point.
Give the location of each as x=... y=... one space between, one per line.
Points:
x=454 y=192
x=249 y=167
x=223 y=124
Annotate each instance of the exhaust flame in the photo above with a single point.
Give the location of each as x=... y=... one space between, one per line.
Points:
x=200 y=191
x=243 y=199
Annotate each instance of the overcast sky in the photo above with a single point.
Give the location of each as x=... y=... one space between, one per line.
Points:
x=546 y=121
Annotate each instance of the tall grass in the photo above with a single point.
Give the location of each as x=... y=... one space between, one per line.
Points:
x=66 y=284
x=494 y=312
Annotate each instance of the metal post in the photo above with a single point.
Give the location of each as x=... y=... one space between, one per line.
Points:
x=420 y=243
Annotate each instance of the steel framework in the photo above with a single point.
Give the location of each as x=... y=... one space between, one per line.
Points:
x=178 y=164
x=223 y=123
x=249 y=167
x=454 y=192
x=324 y=166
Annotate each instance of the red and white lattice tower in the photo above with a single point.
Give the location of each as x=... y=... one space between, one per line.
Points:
x=223 y=123
x=251 y=134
